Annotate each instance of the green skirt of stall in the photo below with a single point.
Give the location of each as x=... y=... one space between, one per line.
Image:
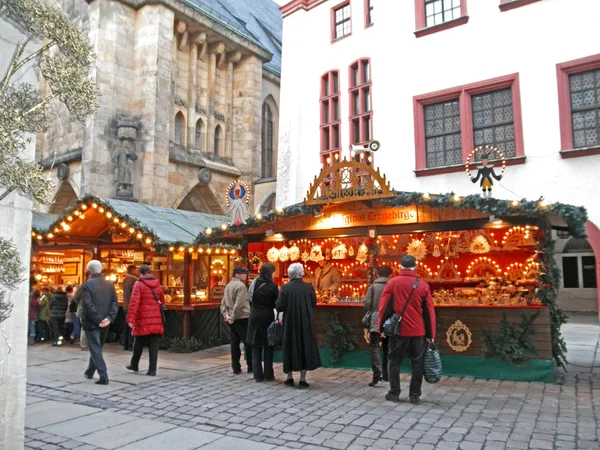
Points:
x=454 y=366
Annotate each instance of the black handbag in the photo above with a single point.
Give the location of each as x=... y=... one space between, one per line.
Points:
x=366 y=320
x=391 y=326
x=275 y=333
x=163 y=308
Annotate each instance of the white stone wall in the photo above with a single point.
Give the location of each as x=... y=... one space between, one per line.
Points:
x=15 y=223
x=529 y=40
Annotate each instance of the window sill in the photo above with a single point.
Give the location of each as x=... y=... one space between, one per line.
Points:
x=266 y=180
x=369 y=25
x=461 y=167
x=341 y=39
x=515 y=4
x=442 y=26
x=579 y=152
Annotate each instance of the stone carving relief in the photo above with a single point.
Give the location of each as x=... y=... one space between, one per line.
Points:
x=124 y=157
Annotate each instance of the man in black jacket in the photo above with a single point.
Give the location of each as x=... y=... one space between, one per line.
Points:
x=100 y=308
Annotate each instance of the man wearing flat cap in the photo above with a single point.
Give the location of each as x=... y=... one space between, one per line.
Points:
x=235 y=309
x=410 y=298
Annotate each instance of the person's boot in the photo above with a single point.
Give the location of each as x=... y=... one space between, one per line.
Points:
x=376 y=381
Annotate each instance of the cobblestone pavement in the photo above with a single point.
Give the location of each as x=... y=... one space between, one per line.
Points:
x=196 y=402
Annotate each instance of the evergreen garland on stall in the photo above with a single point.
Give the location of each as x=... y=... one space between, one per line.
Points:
x=339 y=338
x=547 y=292
x=512 y=343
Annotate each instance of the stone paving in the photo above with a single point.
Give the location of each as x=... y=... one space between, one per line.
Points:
x=196 y=402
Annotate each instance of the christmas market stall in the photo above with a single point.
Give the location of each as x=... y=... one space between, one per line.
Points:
x=121 y=233
x=489 y=263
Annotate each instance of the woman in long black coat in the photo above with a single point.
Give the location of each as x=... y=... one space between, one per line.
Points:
x=263 y=300
x=298 y=300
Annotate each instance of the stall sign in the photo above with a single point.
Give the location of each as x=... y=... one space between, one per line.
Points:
x=217 y=293
x=138 y=257
x=379 y=216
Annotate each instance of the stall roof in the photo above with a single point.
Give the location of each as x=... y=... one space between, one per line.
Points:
x=168 y=226
x=41 y=221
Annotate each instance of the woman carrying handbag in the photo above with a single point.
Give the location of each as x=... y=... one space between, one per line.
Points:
x=262 y=304
x=146 y=319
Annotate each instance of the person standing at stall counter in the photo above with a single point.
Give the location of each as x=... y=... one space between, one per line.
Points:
x=128 y=283
x=412 y=301
x=235 y=309
x=371 y=303
x=327 y=277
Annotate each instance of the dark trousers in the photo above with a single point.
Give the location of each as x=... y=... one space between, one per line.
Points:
x=127 y=337
x=379 y=370
x=76 y=326
x=257 y=366
x=400 y=347
x=151 y=341
x=42 y=331
x=58 y=324
x=95 y=342
x=239 y=331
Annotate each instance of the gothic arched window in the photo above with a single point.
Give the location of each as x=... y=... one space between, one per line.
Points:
x=267 y=142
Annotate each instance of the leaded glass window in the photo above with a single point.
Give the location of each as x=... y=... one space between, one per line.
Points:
x=585 y=108
x=342 y=21
x=493 y=121
x=440 y=11
x=442 y=134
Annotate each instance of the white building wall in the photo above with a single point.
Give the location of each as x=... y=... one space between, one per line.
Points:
x=529 y=40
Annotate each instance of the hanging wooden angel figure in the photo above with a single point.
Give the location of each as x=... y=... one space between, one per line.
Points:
x=485 y=172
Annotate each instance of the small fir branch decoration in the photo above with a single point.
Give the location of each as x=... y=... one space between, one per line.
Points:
x=10 y=274
x=512 y=343
x=339 y=338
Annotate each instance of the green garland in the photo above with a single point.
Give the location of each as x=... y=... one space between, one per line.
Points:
x=548 y=293
x=574 y=216
x=339 y=338
x=513 y=343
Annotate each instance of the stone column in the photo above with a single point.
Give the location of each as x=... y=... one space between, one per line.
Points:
x=214 y=50
x=153 y=100
x=247 y=109
x=232 y=59
x=193 y=55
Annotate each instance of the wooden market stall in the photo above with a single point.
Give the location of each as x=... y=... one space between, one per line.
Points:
x=486 y=261
x=119 y=234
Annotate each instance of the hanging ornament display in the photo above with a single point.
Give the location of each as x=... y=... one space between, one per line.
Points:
x=350 y=251
x=479 y=244
x=294 y=253
x=284 y=254
x=485 y=172
x=339 y=252
x=305 y=257
x=273 y=255
x=316 y=254
x=436 y=251
x=417 y=248
x=362 y=253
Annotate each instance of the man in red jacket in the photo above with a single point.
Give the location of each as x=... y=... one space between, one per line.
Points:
x=412 y=301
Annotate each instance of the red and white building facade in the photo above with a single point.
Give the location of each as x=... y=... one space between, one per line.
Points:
x=432 y=79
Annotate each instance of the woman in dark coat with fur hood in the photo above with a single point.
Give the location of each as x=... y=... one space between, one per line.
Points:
x=262 y=304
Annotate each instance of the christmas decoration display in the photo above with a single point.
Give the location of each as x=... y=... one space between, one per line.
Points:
x=417 y=248
x=436 y=251
x=362 y=255
x=305 y=257
x=339 y=252
x=479 y=245
x=316 y=254
x=273 y=255
x=350 y=251
x=294 y=253
x=284 y=254
x=238 y=201
x=485 y=171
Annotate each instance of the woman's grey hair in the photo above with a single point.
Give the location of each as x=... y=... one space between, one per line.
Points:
x=295 y=271
x=94 y=266
x=408 y=268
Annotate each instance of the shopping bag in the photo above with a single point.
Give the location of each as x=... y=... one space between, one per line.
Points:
x=275 y=334
x=433 y=364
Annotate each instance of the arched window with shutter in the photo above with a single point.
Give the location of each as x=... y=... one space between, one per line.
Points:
x=178 y=135
x=199 y=134
x=218 y=140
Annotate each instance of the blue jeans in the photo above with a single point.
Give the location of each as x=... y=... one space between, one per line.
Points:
x=76 y=326
x=32 y=327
